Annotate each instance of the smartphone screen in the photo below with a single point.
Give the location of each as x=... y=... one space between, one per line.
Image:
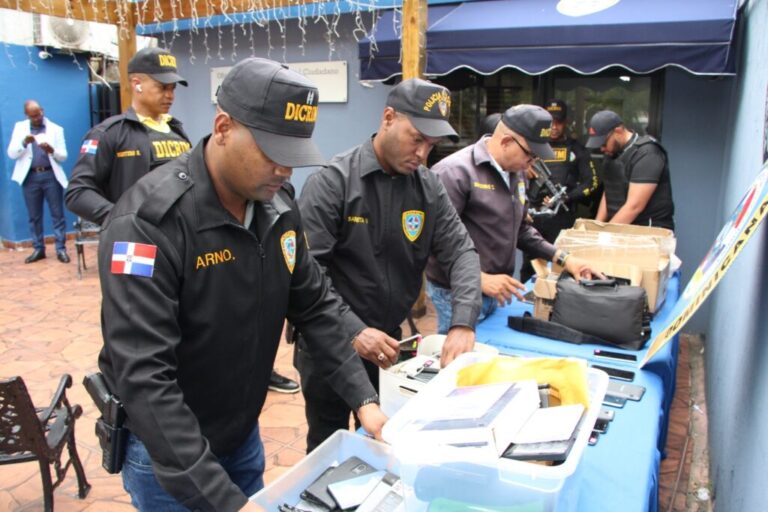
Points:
x=601 y=426
x=616 y=373
x=615 y=355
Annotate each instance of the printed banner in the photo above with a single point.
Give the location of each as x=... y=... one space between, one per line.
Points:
x=732 y=238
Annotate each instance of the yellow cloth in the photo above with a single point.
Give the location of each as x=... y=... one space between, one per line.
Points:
x=567 y=378
x=159 y=126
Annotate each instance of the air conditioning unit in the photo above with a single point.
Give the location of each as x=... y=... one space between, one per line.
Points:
x=66 y=34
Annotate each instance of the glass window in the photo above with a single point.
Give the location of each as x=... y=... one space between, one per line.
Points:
x=628 y=96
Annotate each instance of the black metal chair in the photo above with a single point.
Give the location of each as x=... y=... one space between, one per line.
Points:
x=28 y=434
x=86 y=233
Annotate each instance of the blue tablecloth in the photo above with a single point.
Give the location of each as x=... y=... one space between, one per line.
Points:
x=494 y=331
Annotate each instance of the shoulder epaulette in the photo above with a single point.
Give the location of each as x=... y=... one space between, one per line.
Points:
x=163 y=193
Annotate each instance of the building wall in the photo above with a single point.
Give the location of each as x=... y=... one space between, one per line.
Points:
x=61 y=88
x=737 y=345
x=339 y=125
x=694 y=132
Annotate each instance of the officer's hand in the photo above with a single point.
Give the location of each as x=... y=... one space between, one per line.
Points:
x=251 y=506
x=29 y=139
x=581 y=269
x=372 y=419
x=501 y=287
x=530 y=173
x=460 y=339
x=46 y=147
x=375 y=346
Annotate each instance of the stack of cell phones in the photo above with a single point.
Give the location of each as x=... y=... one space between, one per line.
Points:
x=601 y=424
x=353 y=484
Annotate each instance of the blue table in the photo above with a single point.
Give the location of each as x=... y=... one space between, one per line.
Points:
x=494 y=331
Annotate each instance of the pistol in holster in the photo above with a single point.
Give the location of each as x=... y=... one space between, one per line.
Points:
x=110 y=431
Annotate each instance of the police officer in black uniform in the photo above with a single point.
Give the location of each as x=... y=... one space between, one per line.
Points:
x=120 y=150
x=372 y=218
x=200 y=263
x=572 y=167
x=638 y=189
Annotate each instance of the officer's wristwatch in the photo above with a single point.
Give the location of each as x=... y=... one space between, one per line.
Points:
x=370 y=400
x=561 y=257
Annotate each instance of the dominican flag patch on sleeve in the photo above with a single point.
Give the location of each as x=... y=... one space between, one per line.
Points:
x=133 y=259
x=89 y=146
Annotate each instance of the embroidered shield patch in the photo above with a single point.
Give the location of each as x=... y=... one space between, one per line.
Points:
x=413 y=222
x=288 y=244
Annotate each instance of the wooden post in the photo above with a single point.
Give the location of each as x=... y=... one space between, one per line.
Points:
x=414 y=42
x=126 y=40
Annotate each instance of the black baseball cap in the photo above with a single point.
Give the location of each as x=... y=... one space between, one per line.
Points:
x=534 y=123
x=157 y=63
x=600 y=126
x=557 y=109
x=278 y=105
x=427 y=105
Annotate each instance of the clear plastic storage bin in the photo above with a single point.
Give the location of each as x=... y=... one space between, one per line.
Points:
x=452 y=479
x=337 y=448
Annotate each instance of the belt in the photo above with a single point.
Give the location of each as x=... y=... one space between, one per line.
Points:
x=41 y=169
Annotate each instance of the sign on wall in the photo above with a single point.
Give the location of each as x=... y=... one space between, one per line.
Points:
x=330 y=77
x=740 y=227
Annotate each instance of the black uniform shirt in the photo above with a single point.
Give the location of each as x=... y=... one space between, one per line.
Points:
x=374 y=232
x=190 y=349
x=115 y=154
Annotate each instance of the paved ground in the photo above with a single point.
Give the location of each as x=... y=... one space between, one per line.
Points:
x=49 y=325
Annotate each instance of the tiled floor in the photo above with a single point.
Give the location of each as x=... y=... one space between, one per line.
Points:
x=49 y=325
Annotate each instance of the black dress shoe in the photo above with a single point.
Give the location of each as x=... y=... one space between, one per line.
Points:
x=282 y=384
x=63 y=256
x=35 y=256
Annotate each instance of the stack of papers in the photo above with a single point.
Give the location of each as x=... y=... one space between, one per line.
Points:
x=486 y=416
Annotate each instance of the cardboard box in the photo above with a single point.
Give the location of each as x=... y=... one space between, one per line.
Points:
x=616 y=248
x=544 y=291
x=664 y=237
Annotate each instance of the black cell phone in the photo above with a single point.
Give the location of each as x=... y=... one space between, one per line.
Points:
x=616 y=373
x=614 y=401
x=601 y=426
x=529 y=297
x=615 y=355
x=593 y=437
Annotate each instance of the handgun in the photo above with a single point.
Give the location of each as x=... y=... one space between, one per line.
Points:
x=109 y=427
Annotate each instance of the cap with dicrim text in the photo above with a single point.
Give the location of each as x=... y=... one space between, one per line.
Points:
x=279 y=106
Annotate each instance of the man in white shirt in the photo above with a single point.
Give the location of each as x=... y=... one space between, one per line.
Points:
x=38 y=146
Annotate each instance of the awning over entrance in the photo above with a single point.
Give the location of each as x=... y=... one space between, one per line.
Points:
x=536 y=36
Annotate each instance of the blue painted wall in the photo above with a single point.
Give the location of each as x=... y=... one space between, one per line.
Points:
x=737 y=345
x=61 y=88
x=339 y=125
x=695 y=132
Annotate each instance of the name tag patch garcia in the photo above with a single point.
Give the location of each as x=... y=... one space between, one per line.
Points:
x=133 y=259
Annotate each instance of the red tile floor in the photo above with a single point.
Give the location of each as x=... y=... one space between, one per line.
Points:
x=49 y=325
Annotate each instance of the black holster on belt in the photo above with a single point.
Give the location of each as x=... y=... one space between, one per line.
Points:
x=110 y=431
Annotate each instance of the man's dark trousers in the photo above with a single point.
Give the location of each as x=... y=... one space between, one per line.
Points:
x=39 y=186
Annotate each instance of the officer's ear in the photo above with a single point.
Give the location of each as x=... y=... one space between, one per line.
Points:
x=388 y=117
x=223 y=124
